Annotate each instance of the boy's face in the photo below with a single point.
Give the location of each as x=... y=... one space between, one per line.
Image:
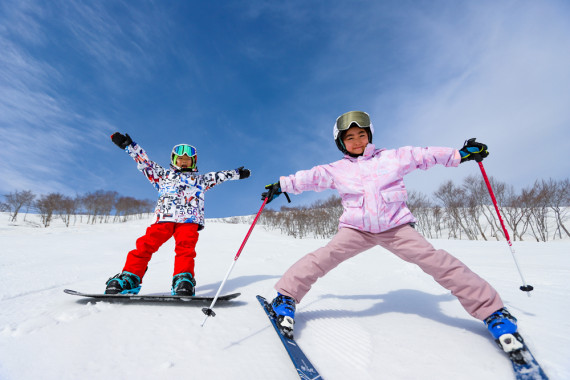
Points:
x=355 y=140
x=184 y=162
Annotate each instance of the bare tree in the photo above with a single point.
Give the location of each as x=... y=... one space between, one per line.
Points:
x=16 y=200
x=477 y=195
x=67 y=208
x=559 y=203
x=46 y=205
x=99 y=204
x=512 y=210
x=534 y=199
x=456 y=202
x=129 y=206
x=426 y=212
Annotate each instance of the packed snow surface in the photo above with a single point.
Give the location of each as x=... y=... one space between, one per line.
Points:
x=373 y=317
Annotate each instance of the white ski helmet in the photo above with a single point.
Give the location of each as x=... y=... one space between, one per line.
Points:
x=345 y=121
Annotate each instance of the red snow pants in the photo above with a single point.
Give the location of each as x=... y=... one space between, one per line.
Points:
x=185 y=236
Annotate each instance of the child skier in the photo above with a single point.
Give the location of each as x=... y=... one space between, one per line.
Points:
x=179 y=213
x=370 y=183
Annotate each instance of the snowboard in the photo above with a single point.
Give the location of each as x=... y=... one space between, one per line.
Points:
x=158 y=297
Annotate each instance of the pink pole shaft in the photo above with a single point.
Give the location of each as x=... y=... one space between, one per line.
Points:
x=209 y=311
x=494 y=202
x=250 y=229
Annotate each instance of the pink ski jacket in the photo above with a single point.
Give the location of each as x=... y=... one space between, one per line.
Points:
x=371 y=186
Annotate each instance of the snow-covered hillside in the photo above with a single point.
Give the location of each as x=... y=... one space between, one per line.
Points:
x=374 y=317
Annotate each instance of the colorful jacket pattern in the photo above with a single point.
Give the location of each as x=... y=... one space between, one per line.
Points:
x=180 y=194
x=371 y=186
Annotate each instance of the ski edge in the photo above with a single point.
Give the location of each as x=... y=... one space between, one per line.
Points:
x=150 y=297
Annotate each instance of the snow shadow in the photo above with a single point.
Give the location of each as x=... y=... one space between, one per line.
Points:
x=403 y=301
x=233 y=284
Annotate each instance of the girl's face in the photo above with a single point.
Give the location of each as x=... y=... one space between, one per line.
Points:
x=355 y=140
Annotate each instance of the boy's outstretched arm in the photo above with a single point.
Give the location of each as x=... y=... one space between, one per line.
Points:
x=215 y=178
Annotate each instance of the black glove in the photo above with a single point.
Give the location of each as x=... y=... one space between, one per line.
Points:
x=473 y=150
x=243 y=173
x=273 y=191
x=122 y=141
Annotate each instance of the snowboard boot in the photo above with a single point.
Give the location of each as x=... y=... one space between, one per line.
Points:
x=183 y=284
x=123 y=283
x=503 y=326
x=284 y=310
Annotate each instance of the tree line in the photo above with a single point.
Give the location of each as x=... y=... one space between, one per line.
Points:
x=97 y=206
x=465 y=211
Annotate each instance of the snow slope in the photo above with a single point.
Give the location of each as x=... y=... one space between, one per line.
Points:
x=373 y=317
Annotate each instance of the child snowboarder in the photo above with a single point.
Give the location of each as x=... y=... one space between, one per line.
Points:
x=179 y=213
x=370 y=183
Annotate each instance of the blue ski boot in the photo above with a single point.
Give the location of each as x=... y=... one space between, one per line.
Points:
x=284 y=310
x=183 y=284
x=123 y=283
x=503 y=326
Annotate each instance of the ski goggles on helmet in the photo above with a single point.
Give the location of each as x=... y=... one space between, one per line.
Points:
x=344 y=121
x=184 y=149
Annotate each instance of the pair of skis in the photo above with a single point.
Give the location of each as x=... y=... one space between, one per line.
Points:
x=524 y=364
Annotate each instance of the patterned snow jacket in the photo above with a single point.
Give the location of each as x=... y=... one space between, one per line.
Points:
x=371 y=186
x=180 y=194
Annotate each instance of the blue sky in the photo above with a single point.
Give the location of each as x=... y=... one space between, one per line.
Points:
x=260 y=84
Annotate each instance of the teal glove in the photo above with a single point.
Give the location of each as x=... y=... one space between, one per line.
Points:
x=473 y=150
x=273 y=191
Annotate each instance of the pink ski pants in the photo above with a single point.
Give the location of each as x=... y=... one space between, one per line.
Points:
x=476 y=295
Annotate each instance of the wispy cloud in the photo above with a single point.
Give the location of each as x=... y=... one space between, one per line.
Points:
x=501 y=76
x=40 y=129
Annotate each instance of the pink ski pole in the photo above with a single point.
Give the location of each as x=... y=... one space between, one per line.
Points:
x=524 y=287
x=208 y=310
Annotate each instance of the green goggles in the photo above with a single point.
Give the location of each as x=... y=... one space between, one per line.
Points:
x=184 y=149
x=345 y=120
